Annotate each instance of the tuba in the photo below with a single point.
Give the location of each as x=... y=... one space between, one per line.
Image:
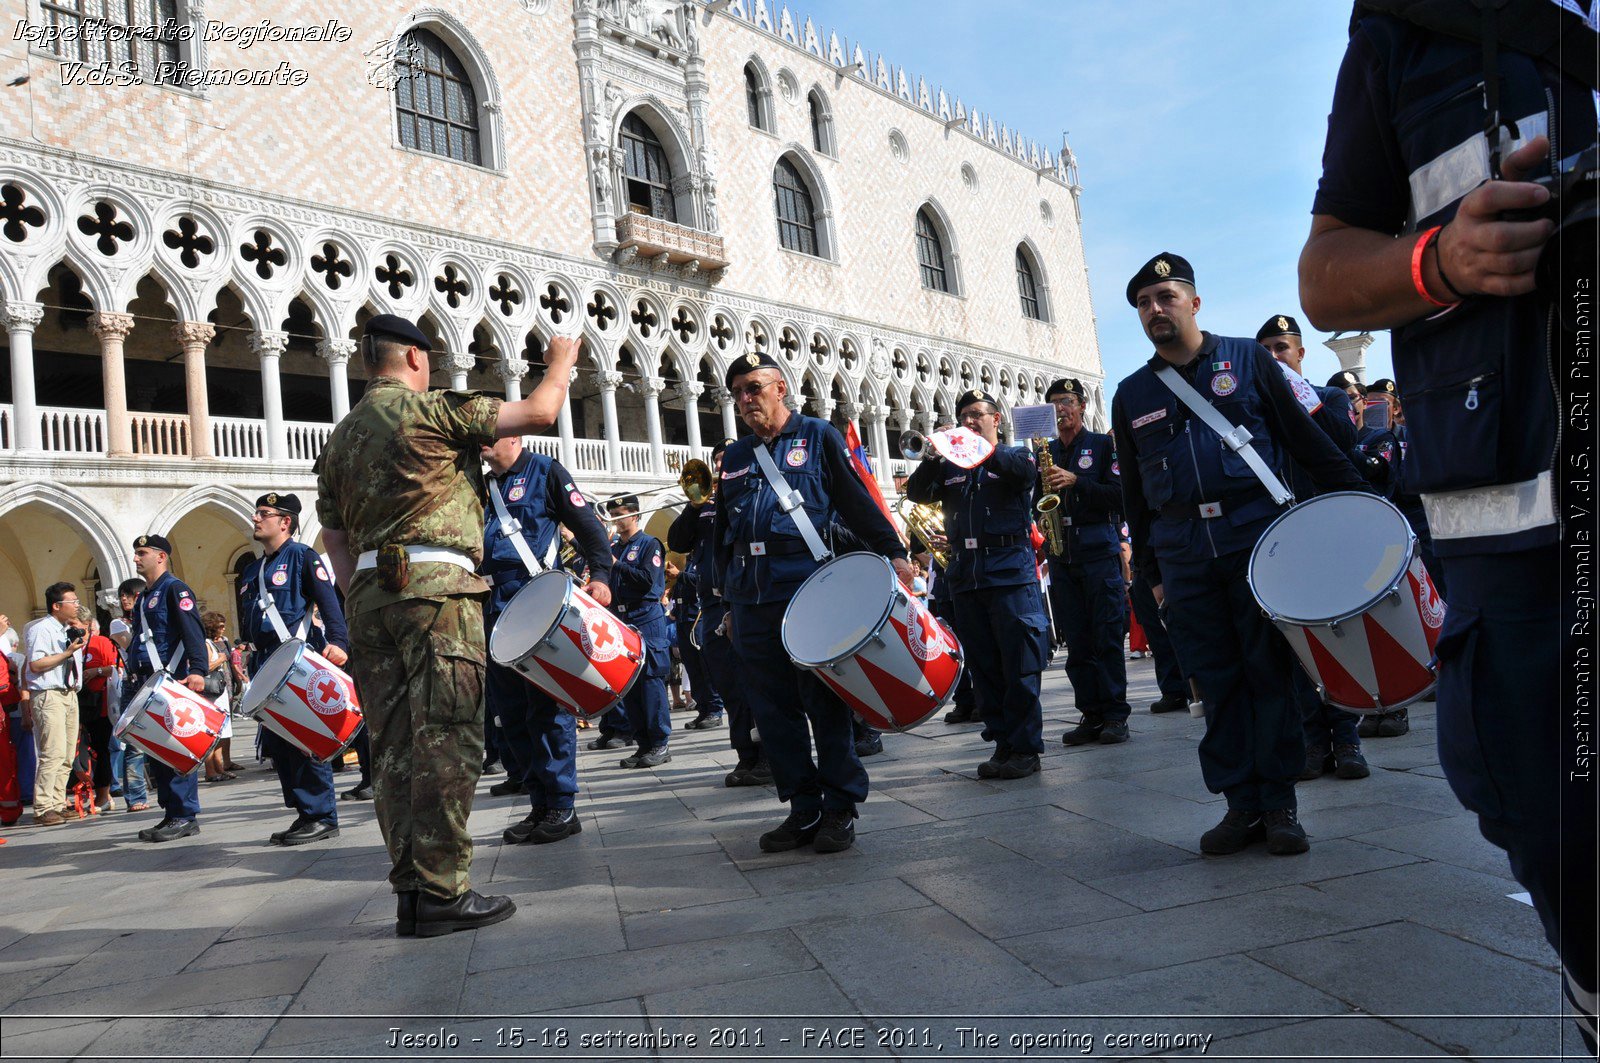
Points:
x=927 y=521
x=1048 y=507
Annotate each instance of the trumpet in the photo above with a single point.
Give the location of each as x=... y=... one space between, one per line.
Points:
x=913 y=445
x=695 y=483
x=927 y=521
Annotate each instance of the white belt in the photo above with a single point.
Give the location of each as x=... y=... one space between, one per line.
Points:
x=442 y=554
x=1498 y=510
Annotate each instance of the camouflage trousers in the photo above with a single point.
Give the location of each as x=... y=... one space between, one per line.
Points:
x=419 y=666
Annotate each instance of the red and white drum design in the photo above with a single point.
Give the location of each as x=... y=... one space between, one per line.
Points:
x=170 y=724
x=306 y=700
x=1341 y=578
x=856 y=626
x=568 y=645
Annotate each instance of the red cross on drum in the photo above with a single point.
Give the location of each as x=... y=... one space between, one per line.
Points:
x=568 y=645
x=306 y=700
x=170 y=724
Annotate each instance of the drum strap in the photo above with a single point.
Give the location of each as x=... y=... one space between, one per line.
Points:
x=791 y=502
x=1236 y=437
x=511 y=528
x=270 y=607
x=148 y=641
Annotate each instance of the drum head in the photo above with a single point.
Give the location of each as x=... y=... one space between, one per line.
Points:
x=530 y=615
x=136 y=704
x=268 y=680
x=1330 y=558
x=842 y=605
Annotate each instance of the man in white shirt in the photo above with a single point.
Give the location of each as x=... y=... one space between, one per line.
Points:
x=55 y=674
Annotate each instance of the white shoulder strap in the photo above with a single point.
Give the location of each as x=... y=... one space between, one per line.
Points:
x=147 y=642
x=791 y=502
x=1235 y=436
x=511 y=528
x=269 y=606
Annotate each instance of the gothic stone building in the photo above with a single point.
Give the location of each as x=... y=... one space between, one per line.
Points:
x=204 y=202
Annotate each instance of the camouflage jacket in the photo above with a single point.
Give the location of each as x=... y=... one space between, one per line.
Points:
x=403 y=467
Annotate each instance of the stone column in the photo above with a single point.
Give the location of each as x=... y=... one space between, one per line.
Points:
x=20 y=320
x=459 y=366
x=337 y=354
x=730 y=416
x=689 y=393
x=823 y=409
x=192 y=337
x=112 y=330
x=609 y=381
x=511 y=371
x=653 y=386
x=269 y=348
x=876 y=416
x=569 y=452
x=1351 y=352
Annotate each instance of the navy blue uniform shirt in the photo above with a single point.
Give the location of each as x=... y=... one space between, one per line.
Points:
x=988 y=516
x=296 y=579
x=167 y=610
x=1091 y=509
x=539 y=495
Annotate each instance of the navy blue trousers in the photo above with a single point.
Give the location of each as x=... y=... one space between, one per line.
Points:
x=179 y=794
x=538 y=738
x=363 y=747
x=307 y=785
x=1169 y=674
x=1254 y=746
x=1507 y=741
x=707 y=699
x=1005 y=642
x=1324 y=725
x=723 y=665
x=648 y=711
x=1089 y=602
x=792 y=709
x=965 y=696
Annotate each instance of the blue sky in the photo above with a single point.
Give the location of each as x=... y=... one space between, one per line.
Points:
x=1198 y=129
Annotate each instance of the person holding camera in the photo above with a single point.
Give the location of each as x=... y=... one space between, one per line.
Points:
x=55 y=674
x=1457 y=208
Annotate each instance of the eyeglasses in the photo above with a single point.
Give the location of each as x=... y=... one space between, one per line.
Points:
x=977 y=415
x=750 y=391
x=263 y=514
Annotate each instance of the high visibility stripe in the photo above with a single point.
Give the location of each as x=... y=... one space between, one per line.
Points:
x=1499 y=510
x=1453 y=173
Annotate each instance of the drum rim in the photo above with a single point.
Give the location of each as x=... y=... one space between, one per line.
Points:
x=555 y=622
x=872 y=632
x=1367 y=607
x=277 y=688
x=139 y=695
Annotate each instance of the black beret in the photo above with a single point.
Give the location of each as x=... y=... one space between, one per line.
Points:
x=154 y=542
x=394 y=327
x=1282 y=325
x=749 y=363
x=975 y=395
x=628 y=502
x=720 y=447
x=1343 y=379
x=283 y=503
x=1068 y=385
x=1164 y=267
x=1385 y=385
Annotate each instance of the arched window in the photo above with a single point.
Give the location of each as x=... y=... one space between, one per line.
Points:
x=1028 y=287
x=757 y=98
x=821 y=124
x=95 y=32
x=930 y=253
x=434 y=99
x=797 y=218
x=647 y=173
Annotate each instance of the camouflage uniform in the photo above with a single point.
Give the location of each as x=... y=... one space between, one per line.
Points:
x=403 y=467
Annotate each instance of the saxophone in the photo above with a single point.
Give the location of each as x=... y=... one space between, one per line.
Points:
x=1049 y=506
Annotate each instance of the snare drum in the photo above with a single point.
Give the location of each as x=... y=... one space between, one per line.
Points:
x=856 y=627
x=568 y=645
x=1341 y=578
x=306 y=700
x=170 y=724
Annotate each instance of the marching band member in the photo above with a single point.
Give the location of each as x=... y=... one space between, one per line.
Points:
x=999 y=611
x=1195 y=509
x=526 y=495
x=638 y=580
x=781 y=488
x=166 y=628
x=1087 y=595
x=276 y=594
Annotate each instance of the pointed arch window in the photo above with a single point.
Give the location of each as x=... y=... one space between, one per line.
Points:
x=1028 y=288
x=821 y=124
x=647 y=172
x=797 y=217
x=931 y=253
x=758 y=99
x=435 y=101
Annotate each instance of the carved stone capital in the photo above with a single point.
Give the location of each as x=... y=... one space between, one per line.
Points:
x=187 y=334
x=336 y=352
x=510 y=369
x=721 y=396
x=460 y=363
x=691 y=390
x=108 y=325
x=609 y=380
x=652 y=386
x=851 y=410
x=792 y=402
x=269 y=344
x=21 y=317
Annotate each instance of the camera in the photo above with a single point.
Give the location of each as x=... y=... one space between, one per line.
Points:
x=1574 y=205
x=75 y=633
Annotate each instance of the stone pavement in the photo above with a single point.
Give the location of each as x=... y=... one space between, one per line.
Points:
x=1072 y=908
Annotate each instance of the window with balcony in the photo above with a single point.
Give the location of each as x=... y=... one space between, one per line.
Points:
x=647 y=173
x=435 y=100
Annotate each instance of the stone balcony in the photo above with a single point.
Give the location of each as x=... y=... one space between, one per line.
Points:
x=641 y=236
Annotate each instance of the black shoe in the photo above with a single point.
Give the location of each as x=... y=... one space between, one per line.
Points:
x=175 y=829
x=1019 y=766
x=1349 y=763
x=1368 y=727
x=792 y=833
x=469 y=911
x=1083 y=734
x=608 y=742
x=360 y=793
x=990 y=769
x=1114 y=732
x=1394 y=724
x=869 y=745
x=311 y=830
x=1238 y=830
x=1285 y=835
x=632 y=761
x=1318 y=760
x=1170 y=703
x=962 y=714
x=757 y=774
x=521 y=831
x=405 y=913
x=148 y=833
x=277 y=836
x=507 y=787
x=654 y=757
x=705 y=723
x=837 y=831
x=558 y=823
x=491 y=766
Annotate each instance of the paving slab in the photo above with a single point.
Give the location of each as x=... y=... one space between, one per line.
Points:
x=706 y=921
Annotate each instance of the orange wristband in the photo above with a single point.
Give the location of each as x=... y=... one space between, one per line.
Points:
x=1417 y=252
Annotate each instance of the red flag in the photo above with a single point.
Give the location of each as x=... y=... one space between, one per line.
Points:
x=863 y=468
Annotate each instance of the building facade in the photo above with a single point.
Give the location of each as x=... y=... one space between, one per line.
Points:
x=203 y=203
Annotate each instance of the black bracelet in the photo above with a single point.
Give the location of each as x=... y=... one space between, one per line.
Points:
x=1438 y=258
